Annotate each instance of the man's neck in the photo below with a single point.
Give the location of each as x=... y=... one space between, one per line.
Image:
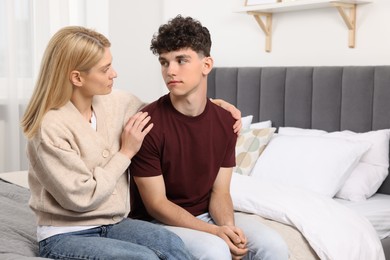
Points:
x=189 y=105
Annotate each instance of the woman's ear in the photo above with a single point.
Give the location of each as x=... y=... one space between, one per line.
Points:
x=75 y=78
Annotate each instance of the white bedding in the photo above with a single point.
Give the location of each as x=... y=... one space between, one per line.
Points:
x=19 y=178
x=376 y=209
x=333 y=230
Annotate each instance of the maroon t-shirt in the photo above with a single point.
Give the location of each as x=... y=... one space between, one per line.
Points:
x=187 y=151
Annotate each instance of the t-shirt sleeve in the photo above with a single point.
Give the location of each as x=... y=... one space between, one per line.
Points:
x=146 y=163
x=227 y=121
x=230 y=158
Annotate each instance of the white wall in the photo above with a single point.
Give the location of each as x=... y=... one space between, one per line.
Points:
x=310 y=37
x=132 y=25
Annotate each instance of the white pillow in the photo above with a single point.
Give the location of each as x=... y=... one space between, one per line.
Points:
x=261 y=125
x=246 y=121
x=363 y=182
x=372 y=169
x=319 y=164
x=300 y=131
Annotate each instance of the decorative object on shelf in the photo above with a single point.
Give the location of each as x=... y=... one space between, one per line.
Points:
x=260 y=2
x=263 y=13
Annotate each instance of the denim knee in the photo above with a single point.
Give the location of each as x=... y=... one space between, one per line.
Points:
x=174 y=249
x=214 y=248
x=276 y=249
x=264 y=242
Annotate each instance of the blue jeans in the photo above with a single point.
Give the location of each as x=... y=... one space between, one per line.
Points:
x=263 y=242
x=128 y=239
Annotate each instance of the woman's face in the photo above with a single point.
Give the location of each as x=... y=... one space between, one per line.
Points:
x=100 y=78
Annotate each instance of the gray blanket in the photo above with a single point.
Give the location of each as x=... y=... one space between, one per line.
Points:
x=17 y=224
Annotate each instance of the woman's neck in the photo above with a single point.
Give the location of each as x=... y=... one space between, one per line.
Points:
x=83 y=105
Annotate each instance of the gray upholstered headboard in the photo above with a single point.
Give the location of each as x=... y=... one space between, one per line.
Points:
x=331 y=98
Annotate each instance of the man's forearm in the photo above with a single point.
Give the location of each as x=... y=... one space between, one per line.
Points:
x=171 y=214
x=221 y=209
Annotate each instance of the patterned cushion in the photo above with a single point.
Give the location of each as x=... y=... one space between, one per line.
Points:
x=250 y=144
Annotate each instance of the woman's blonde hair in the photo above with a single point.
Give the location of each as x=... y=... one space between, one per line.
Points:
x=71 y=48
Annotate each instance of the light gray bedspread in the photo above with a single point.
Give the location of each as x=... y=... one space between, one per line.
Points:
x=17 y=224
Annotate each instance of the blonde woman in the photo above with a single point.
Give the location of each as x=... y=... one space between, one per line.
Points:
x=81 y=138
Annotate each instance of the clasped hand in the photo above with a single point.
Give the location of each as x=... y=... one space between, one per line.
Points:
x=235 y=239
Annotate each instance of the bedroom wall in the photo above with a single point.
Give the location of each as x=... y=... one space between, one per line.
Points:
x=310 y=37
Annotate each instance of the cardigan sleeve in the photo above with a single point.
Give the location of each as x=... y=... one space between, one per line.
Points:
x=74 y=186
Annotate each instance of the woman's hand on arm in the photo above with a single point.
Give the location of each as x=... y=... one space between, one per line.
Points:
x=134 y=133
x=236 y=113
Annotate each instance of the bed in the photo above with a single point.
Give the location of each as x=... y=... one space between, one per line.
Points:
x=305 y=105
x=18 y=227
x=279 y=101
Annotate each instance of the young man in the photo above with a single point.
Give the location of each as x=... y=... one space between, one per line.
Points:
x=181 y=175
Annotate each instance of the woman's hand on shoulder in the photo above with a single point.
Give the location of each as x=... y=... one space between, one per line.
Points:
x=236 y=113
x=134 y=133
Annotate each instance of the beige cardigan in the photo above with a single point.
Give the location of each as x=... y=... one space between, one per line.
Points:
x=76 y=174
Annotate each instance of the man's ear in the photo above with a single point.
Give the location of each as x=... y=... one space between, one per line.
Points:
x=75 y=78
x=208 y=63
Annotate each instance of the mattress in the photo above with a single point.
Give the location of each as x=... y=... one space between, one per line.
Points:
x=376 y=209
x=18 y=227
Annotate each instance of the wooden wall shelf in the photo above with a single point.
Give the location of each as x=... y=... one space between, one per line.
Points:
x=263 y=14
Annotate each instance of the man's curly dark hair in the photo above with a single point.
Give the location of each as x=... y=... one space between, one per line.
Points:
x=181 y=32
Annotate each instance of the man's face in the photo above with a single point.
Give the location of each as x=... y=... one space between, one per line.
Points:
x=183 y=71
